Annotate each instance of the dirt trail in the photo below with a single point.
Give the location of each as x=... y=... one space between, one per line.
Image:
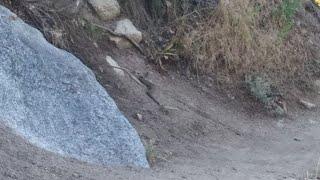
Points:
x=196 y=133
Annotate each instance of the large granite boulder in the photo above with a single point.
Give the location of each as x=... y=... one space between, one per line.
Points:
x=49 y=97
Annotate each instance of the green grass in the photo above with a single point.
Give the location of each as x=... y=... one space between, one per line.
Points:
x=260 y=87
x=284 y=14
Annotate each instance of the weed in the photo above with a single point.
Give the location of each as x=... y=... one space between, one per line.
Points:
x=151 y=153
x=261 y=88
x=284 y=15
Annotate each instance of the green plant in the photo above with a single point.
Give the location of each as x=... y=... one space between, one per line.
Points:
x=261 y=88
x=284 y=14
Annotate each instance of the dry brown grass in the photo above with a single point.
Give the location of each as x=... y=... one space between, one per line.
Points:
x=245 y=37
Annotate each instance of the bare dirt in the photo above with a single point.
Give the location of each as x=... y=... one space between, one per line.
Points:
x=196 y=134
x=195 y=131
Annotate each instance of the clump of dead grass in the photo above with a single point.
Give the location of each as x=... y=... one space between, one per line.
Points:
x=238 y=39
x=241 y=38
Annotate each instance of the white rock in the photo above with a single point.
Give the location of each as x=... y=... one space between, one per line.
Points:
x=106 y=9
x=307 y=104
x=139 y=117
x=125 y=27
x=115 y=66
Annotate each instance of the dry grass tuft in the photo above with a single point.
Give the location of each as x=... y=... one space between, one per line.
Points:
x=246 y=37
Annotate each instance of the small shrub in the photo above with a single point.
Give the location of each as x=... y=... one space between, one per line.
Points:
x=262 y=89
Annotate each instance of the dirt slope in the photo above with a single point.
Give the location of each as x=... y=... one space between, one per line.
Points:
x=201 y=136
x=195 y=131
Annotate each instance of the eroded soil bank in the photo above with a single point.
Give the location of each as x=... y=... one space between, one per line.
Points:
x=202 y=137
x=192 y=130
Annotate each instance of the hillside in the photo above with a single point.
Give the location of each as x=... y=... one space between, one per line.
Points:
x=214 y=89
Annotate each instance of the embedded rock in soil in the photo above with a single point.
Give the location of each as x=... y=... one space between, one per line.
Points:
x=115 y=66
x=125 y=27
x=106 y=9
x=49 y=97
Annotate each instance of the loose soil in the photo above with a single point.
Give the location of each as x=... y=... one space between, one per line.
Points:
x=195 y=131
x=201 y=135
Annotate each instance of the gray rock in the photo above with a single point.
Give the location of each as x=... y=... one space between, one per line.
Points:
x=49 y=97
x=106 y=9
x=125 y=27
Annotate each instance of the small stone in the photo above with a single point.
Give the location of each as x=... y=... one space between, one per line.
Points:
x=139 y=117
x=101 y=69
x=115 y=66
x=106 y=9
x=125 y=27
x=96 y=44
x=307 y=104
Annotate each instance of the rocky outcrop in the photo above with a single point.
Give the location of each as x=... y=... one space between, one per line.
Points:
x=49 y=97
x=106 y=9
x=125 y=27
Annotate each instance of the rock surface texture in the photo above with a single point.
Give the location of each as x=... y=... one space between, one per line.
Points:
x=106 y=9
x=49 y=97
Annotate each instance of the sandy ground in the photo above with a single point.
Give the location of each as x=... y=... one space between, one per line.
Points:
x=196 y=133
